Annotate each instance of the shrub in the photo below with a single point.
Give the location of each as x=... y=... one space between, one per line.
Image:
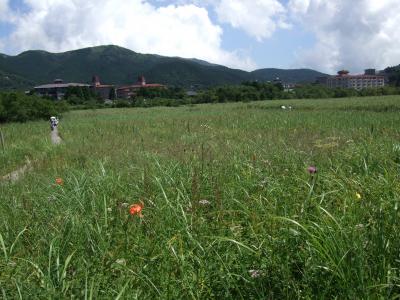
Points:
x=18 y=107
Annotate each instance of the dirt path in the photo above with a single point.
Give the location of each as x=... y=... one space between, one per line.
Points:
x=55 y=138
x=19 y=173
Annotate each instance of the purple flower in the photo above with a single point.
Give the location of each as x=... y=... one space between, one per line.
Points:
x=312 y=170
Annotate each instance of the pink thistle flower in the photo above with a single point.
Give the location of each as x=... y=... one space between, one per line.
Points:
x=312 y=170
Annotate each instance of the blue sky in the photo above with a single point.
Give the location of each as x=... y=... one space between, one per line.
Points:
x=246 y=34
x=279 y=51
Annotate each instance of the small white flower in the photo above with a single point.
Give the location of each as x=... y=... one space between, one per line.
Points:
x=121 y=261
x=236 y=230
x=124 y=205
x=255 y=273
x=109 y=209
x=52 y=198
x=205 y=126
x=12 y=263
x=204 y=202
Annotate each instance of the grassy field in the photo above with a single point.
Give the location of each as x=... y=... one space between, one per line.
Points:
x=230 y=209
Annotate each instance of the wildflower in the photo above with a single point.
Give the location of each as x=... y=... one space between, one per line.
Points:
x=205 y=126
x=121 y=261
x=358 y=196
x=312 y=170
x=204 y=202
x=255 y=273
x=124 y=205
x=52 y=198
x=109 y=209
x=236 y=230
x=12 y=263
x=136 y=209
x=59 y=181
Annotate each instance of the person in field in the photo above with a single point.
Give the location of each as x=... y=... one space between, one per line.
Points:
x=53 y=122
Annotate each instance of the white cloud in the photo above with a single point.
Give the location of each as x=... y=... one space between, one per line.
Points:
x=3 y=10
x=353 y=34
x=174 y=30
x=258 y=18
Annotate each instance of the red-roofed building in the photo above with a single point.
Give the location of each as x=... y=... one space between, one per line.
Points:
x=344 y=80
x=128 y=91
x=103 y=90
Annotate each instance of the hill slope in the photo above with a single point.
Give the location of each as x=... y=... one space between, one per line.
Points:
x=393 y=75
x=121 y=66
x=293 y=76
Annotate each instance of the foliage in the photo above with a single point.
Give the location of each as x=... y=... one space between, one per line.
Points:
x=253 y=91
x=248 y=91
x=169 y=93
x=79 y=95
x=13 y=82
x=112 y=94
x=230 y=210
x=393 y=74
x=18 y=107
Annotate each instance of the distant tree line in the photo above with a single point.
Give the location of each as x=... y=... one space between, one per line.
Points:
x=166 y=93
x=76 y=95
x=393 y=74
x=254 y=91
x=21 y=107
x=18 y=107
x=245 y=92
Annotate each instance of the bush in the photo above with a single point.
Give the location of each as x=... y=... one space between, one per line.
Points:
x=18 y=107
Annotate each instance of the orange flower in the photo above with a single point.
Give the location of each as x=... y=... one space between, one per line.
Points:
x=59 y=181
x=136 y=209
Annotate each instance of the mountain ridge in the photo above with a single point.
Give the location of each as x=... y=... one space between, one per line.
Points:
x=118 y=65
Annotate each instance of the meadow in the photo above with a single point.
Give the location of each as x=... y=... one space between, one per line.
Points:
x=230 y=207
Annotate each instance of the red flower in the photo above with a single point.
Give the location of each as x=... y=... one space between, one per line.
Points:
x=59 y=181
x=136 y=209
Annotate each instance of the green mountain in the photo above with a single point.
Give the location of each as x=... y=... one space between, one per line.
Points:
x=291 y=76
x=11 y=81
x=122 y=66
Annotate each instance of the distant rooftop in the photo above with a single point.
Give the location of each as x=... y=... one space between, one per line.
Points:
x=60 y=85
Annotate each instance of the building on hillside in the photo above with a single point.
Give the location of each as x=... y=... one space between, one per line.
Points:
x=129 y=91
x=191 y=93
x=277 y=80
x=57 y=89
x=104 y=91
x=289 y=87
x=344 y=80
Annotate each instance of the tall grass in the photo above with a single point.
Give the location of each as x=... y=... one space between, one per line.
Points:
x=230 y=210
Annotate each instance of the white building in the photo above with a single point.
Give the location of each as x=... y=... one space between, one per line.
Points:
x=358 y=82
